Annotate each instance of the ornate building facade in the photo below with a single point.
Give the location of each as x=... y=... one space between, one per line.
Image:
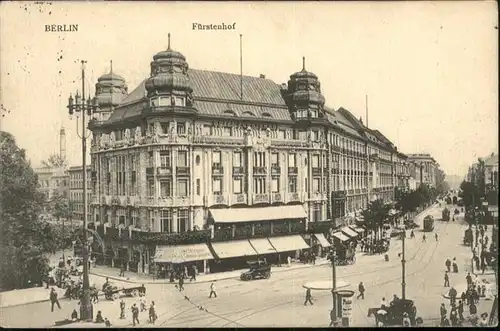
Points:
x=195 y=152
x=76 y=191
x=423 y=168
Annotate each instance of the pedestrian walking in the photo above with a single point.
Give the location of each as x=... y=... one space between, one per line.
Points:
x=107 y=322
x=361 y=289
x=468 y=278
x=122 y=309
x=424 y=238
x=308 y=297
x=483 y=267
x=332 y=317
x=453 y=316
x=448 y=264
x=193 y=273
x=212 y=290
x=181 y=283
x=455 y=267
x=460 y=310
x=122 y=271
x=152 y=313
x=412 y=234
x=472 y=309
x=436 y=236
x=442 y=312
x=135 y=314
x=313 y=258
x=54 y=300
x=446 y=279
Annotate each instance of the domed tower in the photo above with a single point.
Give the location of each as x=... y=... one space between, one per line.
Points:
x=303 y=96
x=169 y=83
x=110 y=91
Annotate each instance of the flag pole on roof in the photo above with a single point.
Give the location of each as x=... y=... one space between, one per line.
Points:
x=366 y=108
x=111 y=73
x=241 y=67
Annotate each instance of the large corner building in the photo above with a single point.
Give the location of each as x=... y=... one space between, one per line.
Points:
x=193 y=156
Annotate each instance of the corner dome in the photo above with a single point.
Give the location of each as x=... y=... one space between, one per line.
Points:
x=304 y=89
x=169 y=73
x=110 y=89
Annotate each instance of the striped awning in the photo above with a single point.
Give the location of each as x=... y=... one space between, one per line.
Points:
x=181 y=254
x=351 y=233
x=339 y=235
x=322 y=240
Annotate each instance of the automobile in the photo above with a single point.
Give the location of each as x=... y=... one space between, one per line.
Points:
x=258 y=269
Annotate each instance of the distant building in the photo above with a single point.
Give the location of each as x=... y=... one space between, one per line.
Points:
x=53 y=181
x=423 y=168
x=76 y=191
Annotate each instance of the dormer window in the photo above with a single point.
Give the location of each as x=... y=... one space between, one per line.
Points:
x=229 y=112
x=314 y=113
x=301 y=113
x=164 y=101
x=266 y=114
x=180 y=101
x=248 y=113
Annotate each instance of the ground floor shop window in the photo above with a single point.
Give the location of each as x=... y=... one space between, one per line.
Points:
x=166 y=221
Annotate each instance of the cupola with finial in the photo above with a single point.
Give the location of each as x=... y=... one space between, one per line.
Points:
x=168 y=84
x=110 y=90
x=303 y=96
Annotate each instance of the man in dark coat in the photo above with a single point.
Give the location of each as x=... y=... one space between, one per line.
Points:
x=460 y=310
x=468 y=278
x=308 y=297
x=442 y=312
x=446 y=279
x=53 y=299
x=448 y=265
x=181 y=282
x=135 y=314
x=361 y=289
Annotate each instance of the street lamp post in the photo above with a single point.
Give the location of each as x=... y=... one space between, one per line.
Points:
x=403 y=271
x=85 y=107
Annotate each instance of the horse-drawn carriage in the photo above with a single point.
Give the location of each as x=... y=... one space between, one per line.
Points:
x=113 y=292
x=346 y=256
x=394 y=313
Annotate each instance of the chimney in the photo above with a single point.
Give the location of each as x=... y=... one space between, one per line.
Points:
x=62 y=143
x=262 y=76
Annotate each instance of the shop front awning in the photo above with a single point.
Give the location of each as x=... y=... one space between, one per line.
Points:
x=322 y=240
x=288 y=243
x=234 y=248
x=262 y=246
x=181 y=254
x=347 y=230
x=238 y=215
x=339 y=235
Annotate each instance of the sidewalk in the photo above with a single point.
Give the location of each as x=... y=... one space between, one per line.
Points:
x=27 y=295
x=112 y=273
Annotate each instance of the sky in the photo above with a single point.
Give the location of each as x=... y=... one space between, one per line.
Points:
x=430 y=70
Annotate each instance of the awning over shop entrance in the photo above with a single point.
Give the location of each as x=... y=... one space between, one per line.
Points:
x=347 y=230
x=181 y=254
x=288 y=243
x=237 y=215
x=339 y=235
x=262 y=246
x=322 y=240
x=234 y=248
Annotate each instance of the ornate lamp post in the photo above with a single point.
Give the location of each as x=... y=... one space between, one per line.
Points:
x=79 y=105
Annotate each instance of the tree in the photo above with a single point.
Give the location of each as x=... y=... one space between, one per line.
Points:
x=375 y=215
x=470 y=194
x=60 y=208
x=25 y=239
x=55 y=161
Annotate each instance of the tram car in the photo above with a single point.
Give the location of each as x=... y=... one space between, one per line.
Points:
x=446 y=215
x=428 y=223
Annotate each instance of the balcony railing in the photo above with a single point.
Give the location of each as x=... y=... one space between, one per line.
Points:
x=238 y=171
x=259 y=170
x=239 y=198
x=261 y=198
x=293 y=197
x=217 y=170
x=220 y=199
x=316 y=171
x=275 y=169
x=276 y=197
x=182 y=171
x=164 y=171
x=293 y=170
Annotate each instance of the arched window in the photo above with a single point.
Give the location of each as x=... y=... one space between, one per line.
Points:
x=229 y=112
x=265 y=114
